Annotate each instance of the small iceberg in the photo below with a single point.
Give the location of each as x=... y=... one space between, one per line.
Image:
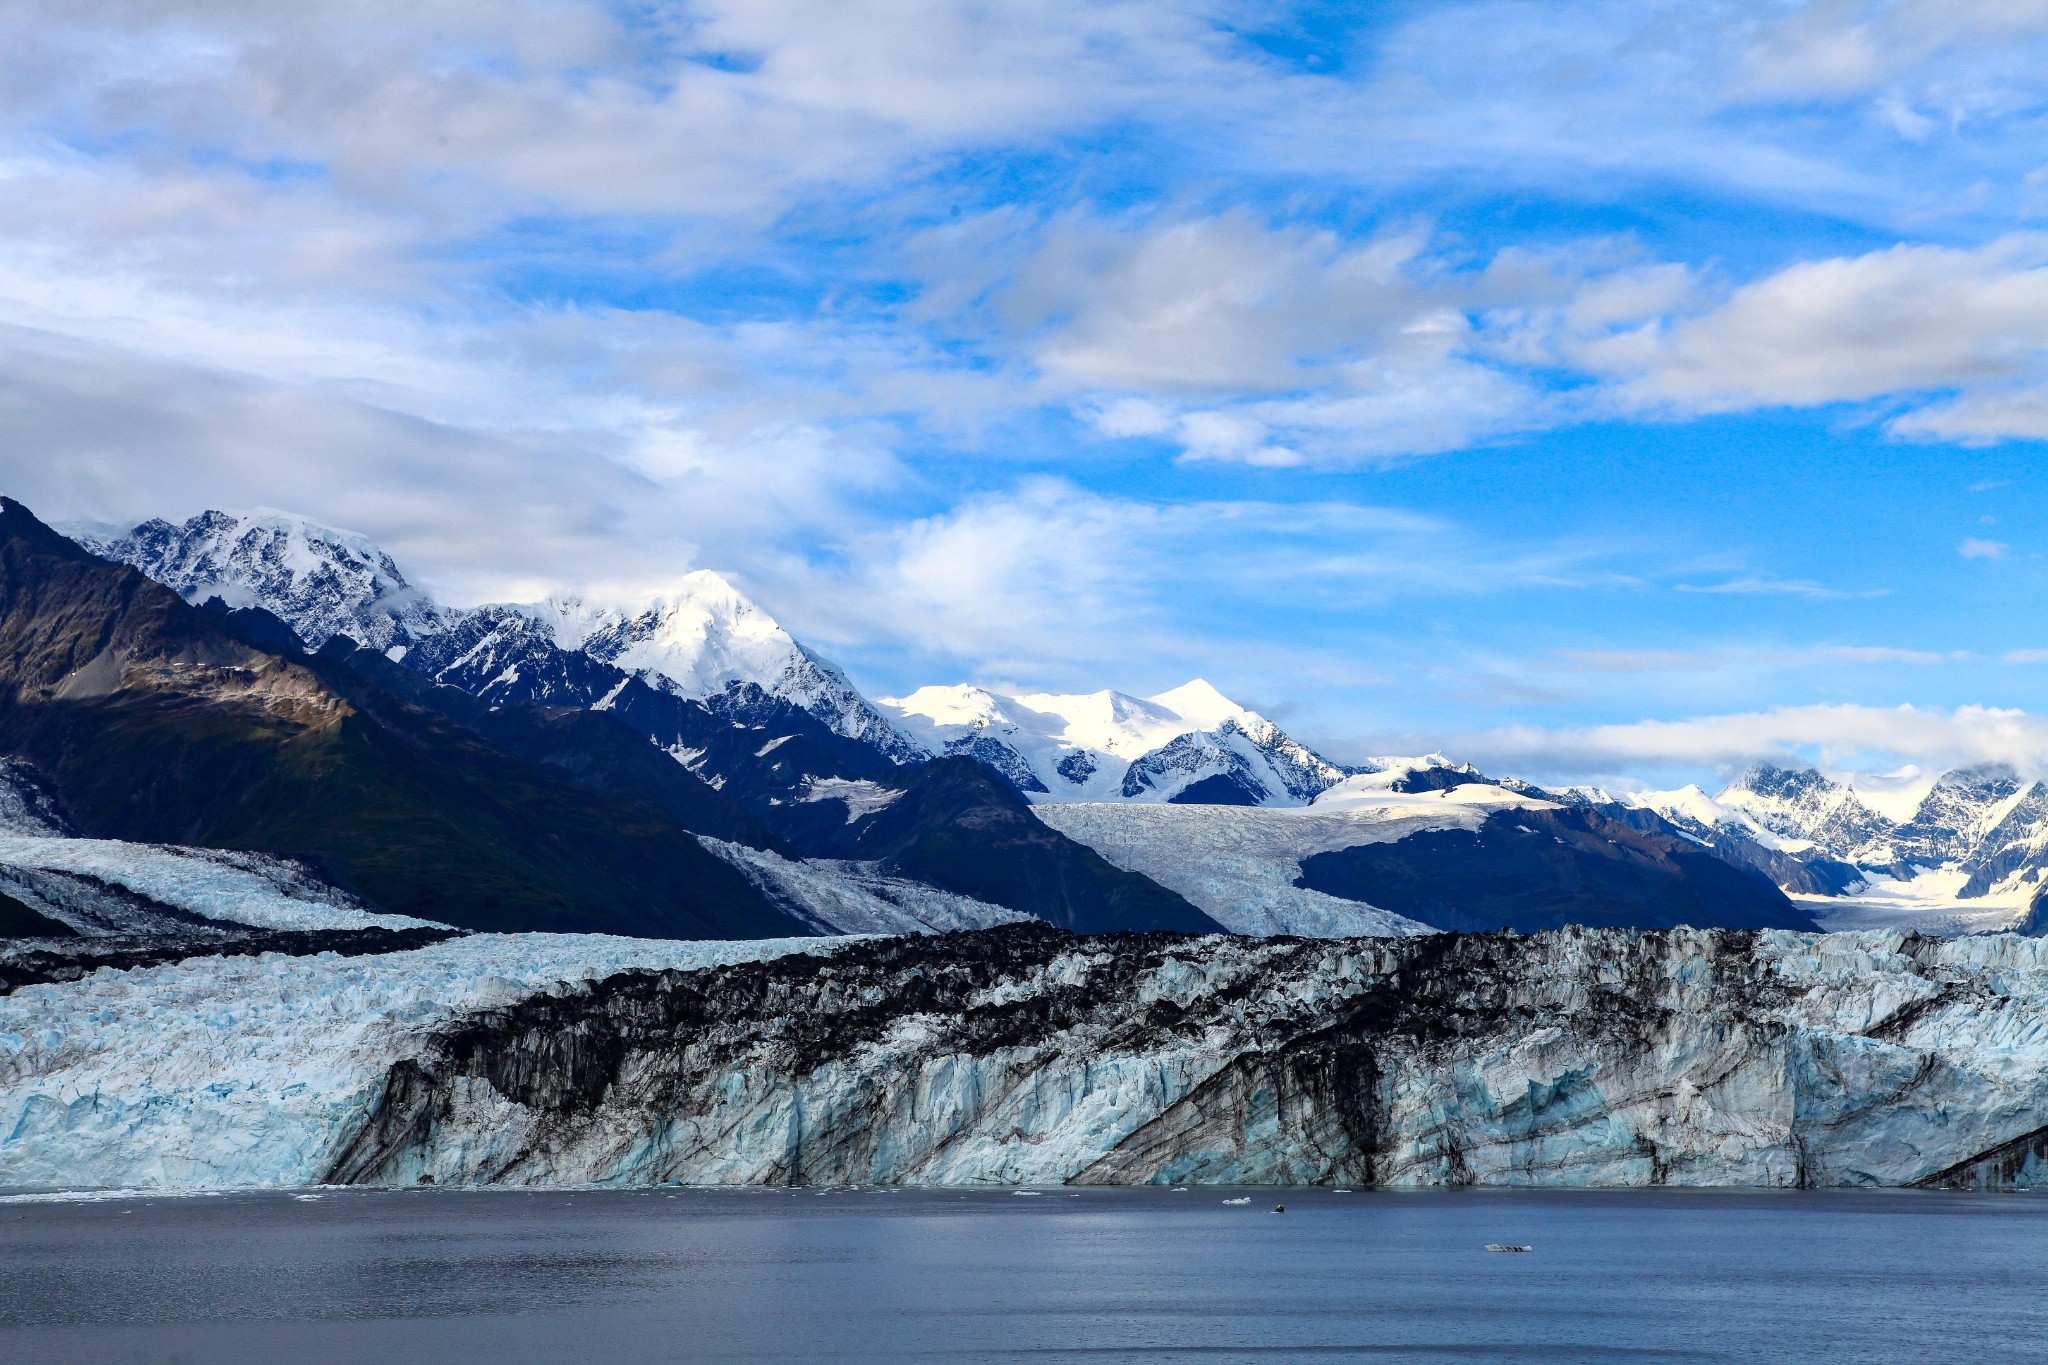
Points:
x=1246 y=1200
x=1504 y=1246
x=1026 y=1194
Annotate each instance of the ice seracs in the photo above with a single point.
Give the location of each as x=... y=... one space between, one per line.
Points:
x=1029 y=1058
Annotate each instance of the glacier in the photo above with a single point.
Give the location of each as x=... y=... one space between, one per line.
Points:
x=1022 y=1055
x=214 y=885
x=1239 y=865
x=231 y=1072
x=841 y=896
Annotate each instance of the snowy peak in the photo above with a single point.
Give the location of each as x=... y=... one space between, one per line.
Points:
x=1190 y=745
x=321 y=581
x=1197 y=703
x=1953 y=818
x=698 y=639
x=960 y=705
x=703 y=636
x=1112 y=722
x=1804 y=805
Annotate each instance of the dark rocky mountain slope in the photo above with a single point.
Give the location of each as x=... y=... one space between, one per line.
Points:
x=1534 y=869
x=161 y=722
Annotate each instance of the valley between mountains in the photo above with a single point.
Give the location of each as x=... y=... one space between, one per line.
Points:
x=306 y=877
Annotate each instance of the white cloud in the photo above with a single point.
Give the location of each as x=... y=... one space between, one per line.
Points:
x=1050 y=585
x=1762 y=585
x=1973 y=548
x=1268 y=345
x=1909 y=319
x=1838 y=48
x=719 y=106
x=1994 y=413
x=1847 y=739
x=1212 y=304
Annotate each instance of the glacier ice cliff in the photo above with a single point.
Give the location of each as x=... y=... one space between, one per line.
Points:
x=1024 y=1055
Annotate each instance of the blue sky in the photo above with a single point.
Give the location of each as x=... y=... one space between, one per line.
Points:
x=1609 y=391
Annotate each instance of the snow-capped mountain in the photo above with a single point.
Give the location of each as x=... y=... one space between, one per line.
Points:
x=696 y=640
x=1979 y=835
x=321 y=581
x=1192 y=745
x=1970 y=854
x=703 y=636
x=1803 y=807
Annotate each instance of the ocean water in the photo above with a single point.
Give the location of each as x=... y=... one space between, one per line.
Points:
x=1125 y=1275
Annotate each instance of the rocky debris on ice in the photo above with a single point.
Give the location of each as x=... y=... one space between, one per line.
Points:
x=1028 y=1057
x=41 y=961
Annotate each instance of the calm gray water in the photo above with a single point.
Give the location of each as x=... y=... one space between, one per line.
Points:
x=450 y=1277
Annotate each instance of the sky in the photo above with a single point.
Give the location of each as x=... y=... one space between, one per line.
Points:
x=1618 y=392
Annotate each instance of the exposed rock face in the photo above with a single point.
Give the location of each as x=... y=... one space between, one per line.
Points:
x=1951 y=822
x=1575 y=1058
x=1803 y=805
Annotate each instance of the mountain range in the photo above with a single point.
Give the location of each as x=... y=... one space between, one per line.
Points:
x=955 y=806
x=307 y=878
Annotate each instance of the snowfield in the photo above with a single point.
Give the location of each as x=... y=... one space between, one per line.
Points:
x=1928 y=902
x=237 y=1071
